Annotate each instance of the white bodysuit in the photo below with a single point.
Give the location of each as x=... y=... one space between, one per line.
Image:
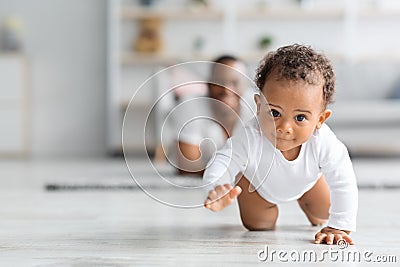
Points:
x=278 y=180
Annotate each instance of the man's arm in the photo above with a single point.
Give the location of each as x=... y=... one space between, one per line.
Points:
x=189 y=159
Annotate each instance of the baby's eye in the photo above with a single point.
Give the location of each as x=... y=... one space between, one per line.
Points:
x=274 y=113
x=300 y=117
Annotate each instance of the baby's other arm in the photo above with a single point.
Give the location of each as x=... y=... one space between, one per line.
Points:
x=336 y=164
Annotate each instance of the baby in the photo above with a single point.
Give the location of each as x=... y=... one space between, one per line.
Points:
x=288 y=152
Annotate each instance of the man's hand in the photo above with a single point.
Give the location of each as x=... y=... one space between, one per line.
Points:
x=331 y=236
x=221 y=197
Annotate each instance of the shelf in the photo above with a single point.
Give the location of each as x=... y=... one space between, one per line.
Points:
x=134 y=59
x=290 y=13
x=128 y=13
x=12 y=55
x=379 y=14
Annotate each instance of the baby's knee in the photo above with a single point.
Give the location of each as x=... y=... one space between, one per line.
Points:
x=258 y=224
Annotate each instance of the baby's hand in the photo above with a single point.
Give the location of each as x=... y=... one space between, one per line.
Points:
x=331 y=236
x=221 y=197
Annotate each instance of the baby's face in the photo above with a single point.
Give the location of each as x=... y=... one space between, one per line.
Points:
x=291 y=112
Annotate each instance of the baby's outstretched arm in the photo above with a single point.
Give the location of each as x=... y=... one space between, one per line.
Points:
x=221 y=197
x=331 y=236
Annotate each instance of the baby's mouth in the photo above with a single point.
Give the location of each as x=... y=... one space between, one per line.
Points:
x=283 y=139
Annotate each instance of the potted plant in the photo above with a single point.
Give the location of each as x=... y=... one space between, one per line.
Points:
x=264 y=42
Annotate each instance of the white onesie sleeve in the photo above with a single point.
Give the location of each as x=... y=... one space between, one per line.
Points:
x=227 y=163
x=335 y=163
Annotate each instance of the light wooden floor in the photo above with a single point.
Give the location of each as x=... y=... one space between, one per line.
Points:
x=128 y=228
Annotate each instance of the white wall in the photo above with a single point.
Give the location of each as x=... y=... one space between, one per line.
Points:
x=65 y=42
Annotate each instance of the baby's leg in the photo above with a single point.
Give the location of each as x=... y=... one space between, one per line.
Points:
x=316 y=202
x=256 y=213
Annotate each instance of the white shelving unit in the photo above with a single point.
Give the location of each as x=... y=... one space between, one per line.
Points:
x=228 y=27
x=123 y=61
x=13 y=105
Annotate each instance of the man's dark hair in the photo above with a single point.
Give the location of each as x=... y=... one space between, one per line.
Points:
x=223 y=58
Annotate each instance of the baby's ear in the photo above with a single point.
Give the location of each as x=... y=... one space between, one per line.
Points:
x=323 y=117
x=258 y=102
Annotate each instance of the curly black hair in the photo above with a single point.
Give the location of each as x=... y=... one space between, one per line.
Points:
x=298 y=62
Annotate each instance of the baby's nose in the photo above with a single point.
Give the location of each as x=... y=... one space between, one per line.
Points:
x=284 y=126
